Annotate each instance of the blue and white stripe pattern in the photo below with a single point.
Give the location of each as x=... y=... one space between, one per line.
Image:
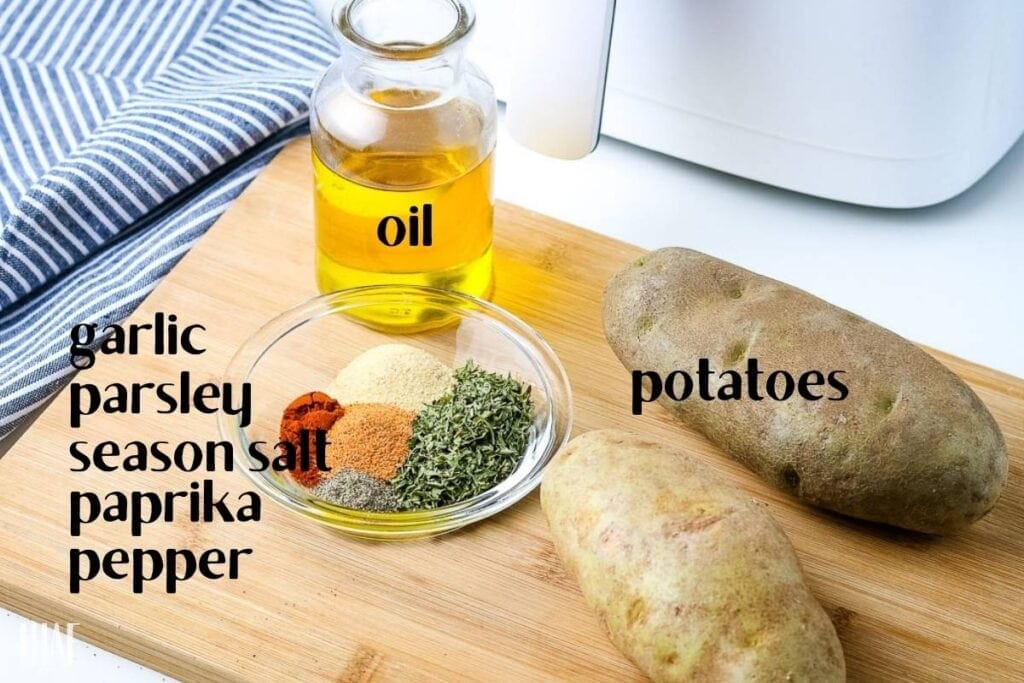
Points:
x=126 y=127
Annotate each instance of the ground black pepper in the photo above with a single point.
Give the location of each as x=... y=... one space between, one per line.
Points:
x=358 y=491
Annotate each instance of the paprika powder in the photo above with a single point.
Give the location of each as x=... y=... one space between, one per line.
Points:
x=315 y=411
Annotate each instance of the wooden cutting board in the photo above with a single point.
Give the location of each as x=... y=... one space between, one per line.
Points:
x=490 y=602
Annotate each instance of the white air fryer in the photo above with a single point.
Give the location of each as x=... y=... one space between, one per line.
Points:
x=892 y=103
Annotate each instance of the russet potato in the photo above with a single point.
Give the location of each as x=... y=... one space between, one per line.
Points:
x=691 y=578
x=910 y=445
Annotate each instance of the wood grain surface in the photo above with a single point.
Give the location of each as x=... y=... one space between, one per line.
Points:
x=490 y=602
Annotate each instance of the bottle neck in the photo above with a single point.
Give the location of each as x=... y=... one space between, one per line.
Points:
x=403 y=45
x=381 y=78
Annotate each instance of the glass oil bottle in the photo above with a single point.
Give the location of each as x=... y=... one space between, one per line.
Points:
x=403 y=133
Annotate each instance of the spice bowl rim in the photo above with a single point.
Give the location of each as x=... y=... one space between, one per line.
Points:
x=554 y=417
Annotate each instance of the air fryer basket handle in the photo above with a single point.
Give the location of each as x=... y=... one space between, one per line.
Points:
x=558 y=78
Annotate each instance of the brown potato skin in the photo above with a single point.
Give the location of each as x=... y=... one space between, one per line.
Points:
x=692 y=580
x=911 y=446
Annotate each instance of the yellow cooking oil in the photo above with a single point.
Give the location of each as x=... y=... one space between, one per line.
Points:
x=407 y=199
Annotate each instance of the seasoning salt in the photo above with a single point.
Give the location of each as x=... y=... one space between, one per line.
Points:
x=371 y=438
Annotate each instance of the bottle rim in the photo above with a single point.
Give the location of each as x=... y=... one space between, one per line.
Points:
x=343 y=20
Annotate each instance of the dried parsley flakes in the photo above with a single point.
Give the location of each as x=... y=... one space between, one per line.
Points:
x=465 y=442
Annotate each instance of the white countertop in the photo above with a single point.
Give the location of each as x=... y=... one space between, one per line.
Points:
x=949 y=276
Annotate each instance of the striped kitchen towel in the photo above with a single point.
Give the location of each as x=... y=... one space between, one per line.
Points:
x=126 y=128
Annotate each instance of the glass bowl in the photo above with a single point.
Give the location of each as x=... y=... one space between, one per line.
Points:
x=302 y=349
